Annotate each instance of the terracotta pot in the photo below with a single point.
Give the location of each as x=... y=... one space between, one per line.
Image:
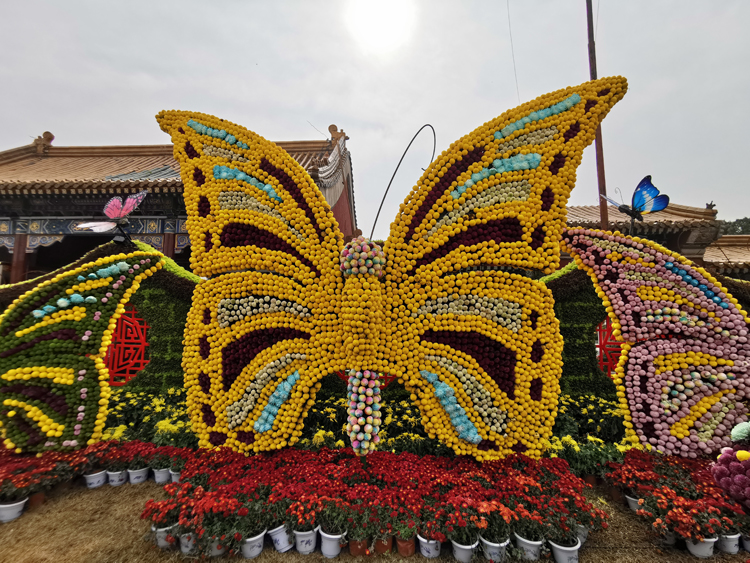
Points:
x=35 y=501
x=384 y=546
x=358 y=547
x=590 y=479
x=65 y=486
x=405 y=547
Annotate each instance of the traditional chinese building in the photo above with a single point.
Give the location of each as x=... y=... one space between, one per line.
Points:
x=46 y=191
x=730 y=256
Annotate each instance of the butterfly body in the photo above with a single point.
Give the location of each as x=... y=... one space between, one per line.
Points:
x=451 y=305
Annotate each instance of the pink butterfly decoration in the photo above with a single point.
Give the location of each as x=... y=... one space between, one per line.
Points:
x=117 y=211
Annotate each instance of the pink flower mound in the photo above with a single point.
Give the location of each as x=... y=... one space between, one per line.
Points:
x=733 y=476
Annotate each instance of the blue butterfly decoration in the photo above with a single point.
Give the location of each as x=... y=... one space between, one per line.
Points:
x=646 y=199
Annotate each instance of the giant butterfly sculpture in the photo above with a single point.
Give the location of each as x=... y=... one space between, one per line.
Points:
x=451 y=305
x=683 y=374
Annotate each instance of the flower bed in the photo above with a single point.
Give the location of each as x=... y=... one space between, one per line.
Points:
x=678 y=495
x=227 y=496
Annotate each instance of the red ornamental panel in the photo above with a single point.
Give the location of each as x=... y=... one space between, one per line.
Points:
x=608 y=348
x=127 y=355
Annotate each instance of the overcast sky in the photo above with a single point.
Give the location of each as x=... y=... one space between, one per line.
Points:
x=96 y=73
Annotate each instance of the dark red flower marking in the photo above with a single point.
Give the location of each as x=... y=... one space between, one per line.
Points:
x=246 y=437
x=198 y=176
x=204 y=347
x=557 y=162
x=537 y=351
x=204 y=206
x=242 y=234
x=205 y=382
x=453 y=172
x=507 y=229
x=495 y=359
x=536 y=389
x=190 y=151
x=217 y=438
x=206 y=316
x=208 y=415
x=548 y=198
x=236 y=355
x=572 y=131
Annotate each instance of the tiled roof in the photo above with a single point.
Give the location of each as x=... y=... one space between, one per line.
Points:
x=673 y=218
x=731 y=253
x=32 y=169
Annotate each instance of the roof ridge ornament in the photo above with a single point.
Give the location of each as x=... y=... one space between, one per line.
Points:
x=43 y=143
x=337 y=135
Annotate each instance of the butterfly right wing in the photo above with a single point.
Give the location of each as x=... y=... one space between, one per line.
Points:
x=132 y=202
x=263 y=329
x=646 y=198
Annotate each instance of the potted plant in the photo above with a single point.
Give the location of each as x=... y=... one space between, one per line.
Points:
x=116 y=464
x=301 y=519
x=163 y=515
x=696 y=521
x=496 y=536
x=655 y=508
x=333 y=522
x=432 y=533
x=177 y=464
x=91 y=464
x=405 y=526
x=160 y=463
x=138 y=455
x=359 y=530
x=277 y=529
x=248 y=523
x=529 y=532
x=562 y=535
x=463 y=526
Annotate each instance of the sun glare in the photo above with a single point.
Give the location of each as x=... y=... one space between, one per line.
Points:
x=380 y=26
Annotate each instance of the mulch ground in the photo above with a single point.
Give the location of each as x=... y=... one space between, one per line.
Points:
x=104 y=526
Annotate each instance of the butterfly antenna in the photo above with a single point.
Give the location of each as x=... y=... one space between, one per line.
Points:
x=434 y=146
x=619 y=191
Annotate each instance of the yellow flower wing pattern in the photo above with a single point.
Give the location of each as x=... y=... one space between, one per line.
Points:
x=262 y=331
x=469 y=329
x=54 y=384
x=683 y=374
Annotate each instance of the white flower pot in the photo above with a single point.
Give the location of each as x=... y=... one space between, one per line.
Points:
x=702 y=549
x=531 y=549
x=175 y=476
x=95 y=480
x=216 y=548
x=161 y=475
x=306 y=542
x=161 y=536
x=251 y=547
x=746 y=543
x=632 y=503
x=583 y=533
x=187 y=543
x=429 y=548
x=138 y=475
x=729 y=544
x=493 y=551
x=564 y=554
x=464 y=553
x=330 y=545
x=280 y=539
x=12 y=510
x=117 y=478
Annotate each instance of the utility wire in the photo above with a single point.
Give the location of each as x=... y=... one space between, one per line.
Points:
x=512 y=52
x=318 y=130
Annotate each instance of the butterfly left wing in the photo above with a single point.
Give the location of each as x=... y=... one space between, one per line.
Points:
x=684 y=372
x=470 y=331
x=53 y=381
x=264 y=329
x=97 y=226
x=646 y=198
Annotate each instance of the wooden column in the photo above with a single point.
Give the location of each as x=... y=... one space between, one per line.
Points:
x=18 y=265
x=169 y=245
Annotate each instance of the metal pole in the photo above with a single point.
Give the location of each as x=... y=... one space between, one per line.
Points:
x=603 y=211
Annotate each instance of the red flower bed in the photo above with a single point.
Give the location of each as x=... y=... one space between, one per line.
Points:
x=678 y=495
x=384 y=495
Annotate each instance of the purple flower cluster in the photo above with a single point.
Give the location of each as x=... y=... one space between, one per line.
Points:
x=732 y=473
